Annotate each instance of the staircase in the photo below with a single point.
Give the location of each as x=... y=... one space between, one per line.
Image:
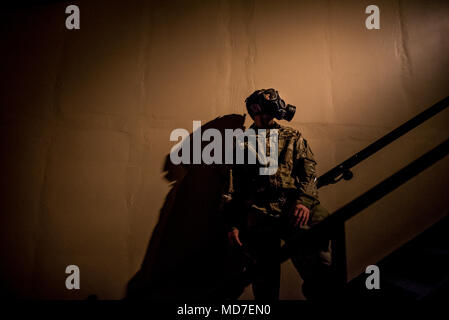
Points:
x=419 y=270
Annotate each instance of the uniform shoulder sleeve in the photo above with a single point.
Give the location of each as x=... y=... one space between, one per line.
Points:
x=304 y=172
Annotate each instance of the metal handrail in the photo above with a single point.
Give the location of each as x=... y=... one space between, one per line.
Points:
x=379 y=191
x=343 y=170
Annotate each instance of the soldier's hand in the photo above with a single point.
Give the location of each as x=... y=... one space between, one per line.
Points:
x=299 y=215
x=233 y=237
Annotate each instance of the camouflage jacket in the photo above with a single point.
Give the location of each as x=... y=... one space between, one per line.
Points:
x=293 y=182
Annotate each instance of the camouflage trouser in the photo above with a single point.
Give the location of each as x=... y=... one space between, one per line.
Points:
x=312 y=259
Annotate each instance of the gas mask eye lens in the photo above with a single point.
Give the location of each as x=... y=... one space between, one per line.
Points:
x=281 y=103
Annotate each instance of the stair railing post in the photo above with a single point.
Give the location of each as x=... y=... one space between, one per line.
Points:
x=338 y=245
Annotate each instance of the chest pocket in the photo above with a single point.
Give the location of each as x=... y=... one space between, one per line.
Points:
x=284 y=177
x=286 y=152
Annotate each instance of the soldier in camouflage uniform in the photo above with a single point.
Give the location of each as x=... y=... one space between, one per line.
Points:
x=260 y=210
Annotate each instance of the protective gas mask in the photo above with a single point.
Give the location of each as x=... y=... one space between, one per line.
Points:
x=268 y=101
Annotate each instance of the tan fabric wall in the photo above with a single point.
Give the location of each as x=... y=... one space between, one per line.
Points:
x=86 y=117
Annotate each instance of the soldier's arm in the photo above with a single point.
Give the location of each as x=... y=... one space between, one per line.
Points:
x=305 y=174
x=230 y=200
x=231 y=209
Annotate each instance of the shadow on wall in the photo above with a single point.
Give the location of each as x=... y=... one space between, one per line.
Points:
x=186 y=256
